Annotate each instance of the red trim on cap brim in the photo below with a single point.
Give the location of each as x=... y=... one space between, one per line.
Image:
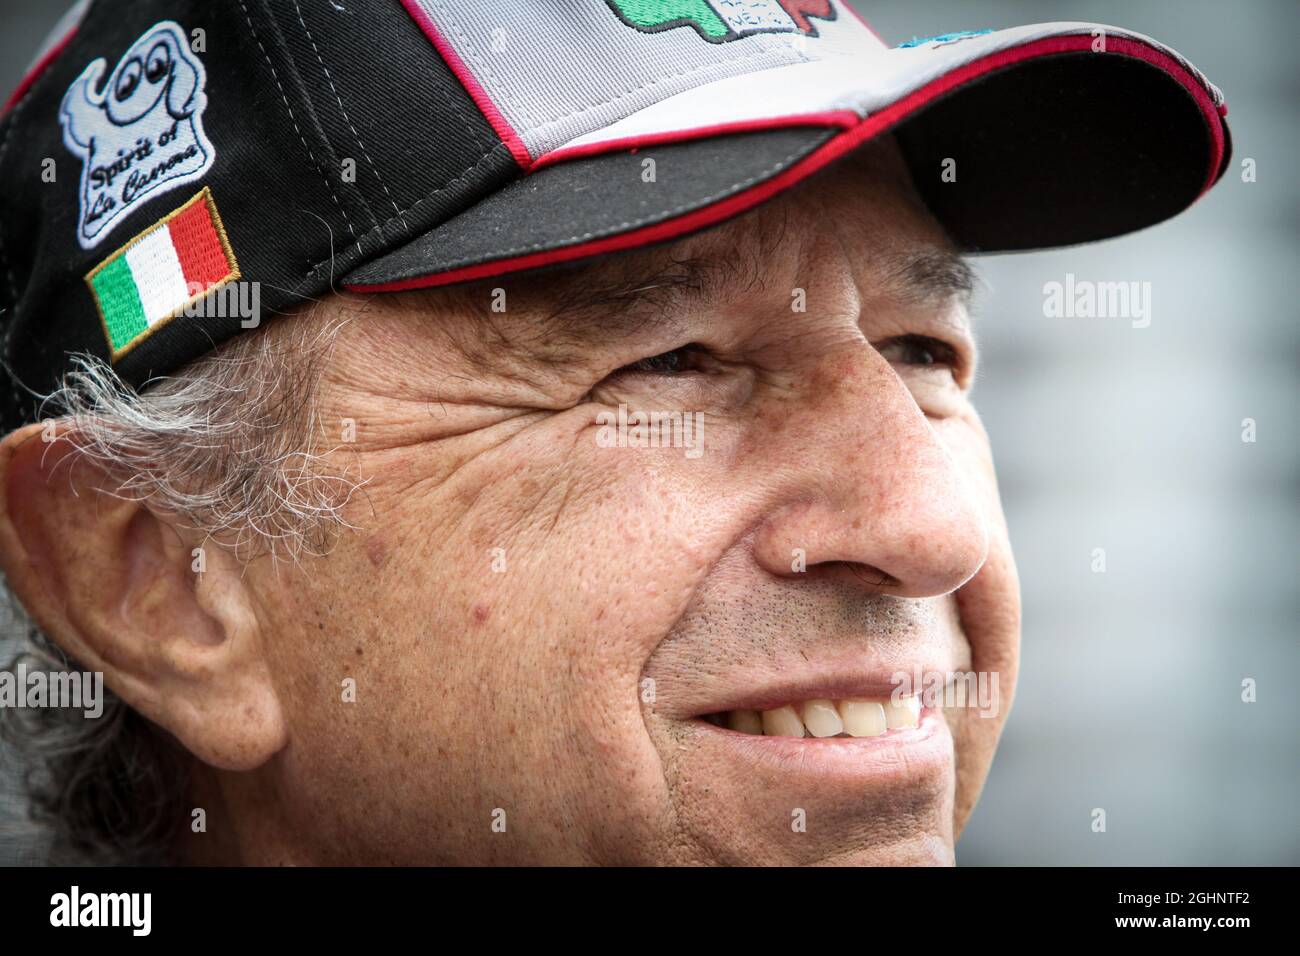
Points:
x=39 y=67
x=877 y=123
x=472 y=86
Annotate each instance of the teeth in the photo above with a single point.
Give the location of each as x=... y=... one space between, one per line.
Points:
x=745 y=721
x=825 y=718
x=782 y=722
x=822 y=719
x=863 y=718
x=906 y=713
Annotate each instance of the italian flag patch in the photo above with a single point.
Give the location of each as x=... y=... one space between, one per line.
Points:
x=158 y=274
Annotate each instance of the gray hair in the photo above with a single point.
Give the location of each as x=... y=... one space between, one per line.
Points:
x=231 y=445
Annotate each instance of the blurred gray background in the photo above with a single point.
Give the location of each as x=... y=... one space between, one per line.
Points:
x=1129 y=440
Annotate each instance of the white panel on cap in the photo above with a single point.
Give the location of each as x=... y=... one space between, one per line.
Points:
x=558 y=69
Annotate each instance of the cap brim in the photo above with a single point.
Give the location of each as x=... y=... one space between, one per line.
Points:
x=1051 y=144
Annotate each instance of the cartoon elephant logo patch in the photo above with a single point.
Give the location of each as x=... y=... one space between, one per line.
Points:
x=139 y=132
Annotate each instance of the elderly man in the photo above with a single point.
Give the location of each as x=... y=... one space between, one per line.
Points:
x=407 y=525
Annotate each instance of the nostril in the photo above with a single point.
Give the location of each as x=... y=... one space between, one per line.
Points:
x=870 y=574
x=867 y=574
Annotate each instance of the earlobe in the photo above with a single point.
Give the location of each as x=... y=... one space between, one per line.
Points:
x=236 y=722
x=163 y=613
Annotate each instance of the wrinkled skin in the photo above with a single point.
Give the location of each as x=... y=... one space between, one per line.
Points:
x=641 y=587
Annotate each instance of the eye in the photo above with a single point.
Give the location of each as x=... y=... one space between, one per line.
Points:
x=919 y=350
x=679 y=360
x=159 y=61
x=128 y=80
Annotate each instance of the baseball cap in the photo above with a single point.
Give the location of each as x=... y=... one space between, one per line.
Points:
x=167 y=163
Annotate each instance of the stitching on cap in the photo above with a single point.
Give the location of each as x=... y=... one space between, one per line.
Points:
x=284 y=97
x=469 y=47
x=496 y=148
x=470 y=113
x=347 y=119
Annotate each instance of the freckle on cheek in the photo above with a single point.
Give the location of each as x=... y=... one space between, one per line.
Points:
x=480 y=613
x=376 y=551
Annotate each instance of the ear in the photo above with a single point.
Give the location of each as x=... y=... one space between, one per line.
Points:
x=131 y=593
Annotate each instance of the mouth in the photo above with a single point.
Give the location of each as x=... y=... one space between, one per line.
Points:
x=846 y=745
x=823 y=718
x=843 y=728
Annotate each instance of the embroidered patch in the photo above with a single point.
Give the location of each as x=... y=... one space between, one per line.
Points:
x=720 y=21
x=158 y=274
x=139 y=132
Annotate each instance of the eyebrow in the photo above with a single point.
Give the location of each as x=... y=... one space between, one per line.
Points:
x=935 y=275
x=644 y=301
x=652 y=301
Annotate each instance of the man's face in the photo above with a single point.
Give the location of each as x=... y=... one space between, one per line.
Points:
x=538 y=622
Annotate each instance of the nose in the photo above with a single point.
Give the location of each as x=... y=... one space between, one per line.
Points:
x=868 y=485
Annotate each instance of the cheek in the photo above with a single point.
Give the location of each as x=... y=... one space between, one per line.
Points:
x=965 y=440
x=497 y=625
x=989 y=607
x=990 y=602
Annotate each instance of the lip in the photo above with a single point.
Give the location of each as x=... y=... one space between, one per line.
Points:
x=901 y=756
x=836 y=681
